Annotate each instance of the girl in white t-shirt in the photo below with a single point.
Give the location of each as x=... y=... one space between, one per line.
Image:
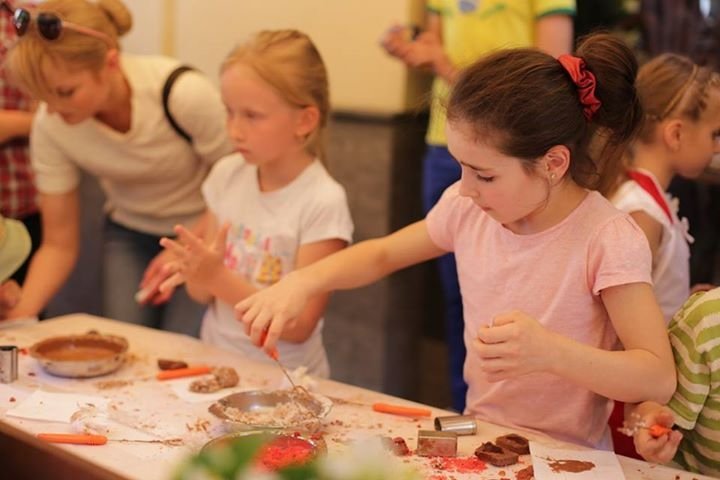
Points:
x=680 y=135
x=553 y=277
x=272 y=206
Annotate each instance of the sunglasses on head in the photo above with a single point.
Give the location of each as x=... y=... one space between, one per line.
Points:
x=50 y=26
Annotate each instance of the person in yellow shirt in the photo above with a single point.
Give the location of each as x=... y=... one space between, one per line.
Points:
x=457 y=33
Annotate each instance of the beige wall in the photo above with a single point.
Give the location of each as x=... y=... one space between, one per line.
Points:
x=362 y=78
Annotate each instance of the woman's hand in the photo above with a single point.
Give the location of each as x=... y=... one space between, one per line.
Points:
x=193 y=260
x=661 y=449
x=154 y=276
x=268 y=312
x=516 y=344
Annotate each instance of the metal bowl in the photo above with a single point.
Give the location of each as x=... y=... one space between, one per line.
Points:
x=80 y=356
x=318 y=444
x=266 y=457
x=229 y=408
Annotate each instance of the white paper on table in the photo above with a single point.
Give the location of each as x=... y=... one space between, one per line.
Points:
x=181 y=387
x=99 y=422
x=18 y=322
x=54 y=407
x=11 y=397
x=606 y=465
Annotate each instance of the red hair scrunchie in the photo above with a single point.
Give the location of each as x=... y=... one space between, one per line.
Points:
x=585 y=81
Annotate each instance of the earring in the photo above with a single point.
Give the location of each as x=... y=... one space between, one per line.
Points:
x=552 y=177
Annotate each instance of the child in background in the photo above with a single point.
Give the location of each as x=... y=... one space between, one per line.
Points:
x=553 y=276
x=695 y=406
x=15 y=245
x=680 y=135
x=273 y=207
x=18 y=195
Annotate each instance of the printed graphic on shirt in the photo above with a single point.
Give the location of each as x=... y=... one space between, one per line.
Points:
x=259 y=258
x=467 y=6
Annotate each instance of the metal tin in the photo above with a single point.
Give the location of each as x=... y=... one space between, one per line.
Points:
x=460 y=424
x=8 y=363
x=436 y=444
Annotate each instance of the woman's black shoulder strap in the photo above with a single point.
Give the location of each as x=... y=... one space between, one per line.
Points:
x=166 y=96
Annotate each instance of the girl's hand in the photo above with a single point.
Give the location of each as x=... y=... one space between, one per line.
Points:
x=663 y=448
x=194 y=260
x=516 y=344
x=702 y=287
x=268 y=312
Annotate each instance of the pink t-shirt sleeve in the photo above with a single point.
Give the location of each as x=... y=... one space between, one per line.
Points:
x=619 y=254
x=444 y=218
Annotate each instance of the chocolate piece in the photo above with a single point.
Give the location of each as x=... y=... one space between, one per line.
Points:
x=494 y=455
x=396 y=445
x=226 y=376
x=526 y=473
x=205 y=385
x=166 y=364
x=515 y=443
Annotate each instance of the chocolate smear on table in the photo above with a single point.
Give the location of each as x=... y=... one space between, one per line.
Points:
x=527 y=473
x=570 y=466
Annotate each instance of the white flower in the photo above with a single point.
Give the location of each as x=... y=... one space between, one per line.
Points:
x=365 y=460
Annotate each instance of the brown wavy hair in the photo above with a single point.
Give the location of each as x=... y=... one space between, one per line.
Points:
x=526 y=103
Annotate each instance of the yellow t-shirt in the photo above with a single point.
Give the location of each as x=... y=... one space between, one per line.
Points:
x=472 y=28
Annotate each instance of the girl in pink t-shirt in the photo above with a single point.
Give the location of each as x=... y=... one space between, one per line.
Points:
x=554 y=279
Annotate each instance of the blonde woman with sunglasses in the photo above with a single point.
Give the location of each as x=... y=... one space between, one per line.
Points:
x=101 y=112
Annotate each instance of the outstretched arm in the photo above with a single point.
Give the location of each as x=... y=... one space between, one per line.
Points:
x=201 y=266
x=272 y=308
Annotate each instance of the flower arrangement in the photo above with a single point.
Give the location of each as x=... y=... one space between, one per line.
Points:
x=238 y=460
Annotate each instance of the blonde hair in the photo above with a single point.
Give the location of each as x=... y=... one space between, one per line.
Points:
x=26 y=59
x=290 y=63
x=672 y=86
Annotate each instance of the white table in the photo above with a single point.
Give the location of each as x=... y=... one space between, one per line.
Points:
x=153 y=407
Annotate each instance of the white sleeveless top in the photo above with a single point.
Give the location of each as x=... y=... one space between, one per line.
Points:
x=671 y=265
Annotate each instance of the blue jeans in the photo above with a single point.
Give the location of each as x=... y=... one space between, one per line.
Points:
x=440 y=171
x=126 y=255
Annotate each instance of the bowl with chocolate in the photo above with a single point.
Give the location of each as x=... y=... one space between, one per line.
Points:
x=271 y=409
x=80 y=356
x=277 y=450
